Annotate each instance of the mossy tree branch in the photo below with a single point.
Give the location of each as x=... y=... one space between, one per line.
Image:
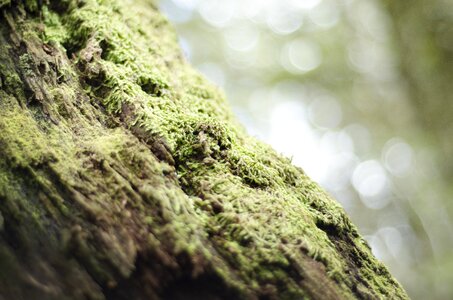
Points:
x=123 y=174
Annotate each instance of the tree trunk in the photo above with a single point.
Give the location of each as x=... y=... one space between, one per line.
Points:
x=123 y=174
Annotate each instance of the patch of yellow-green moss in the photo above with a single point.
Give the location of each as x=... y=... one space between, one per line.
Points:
x=147 y=126
x=54 y=32
x=263 y=210
x=4 y=3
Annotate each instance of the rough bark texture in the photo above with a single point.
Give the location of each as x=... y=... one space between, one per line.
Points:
x=123 y=175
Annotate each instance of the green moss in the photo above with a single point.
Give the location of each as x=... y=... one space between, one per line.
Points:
x=4 y=3
x=31 y=5
x=54 y=32
x=22 y=149
x=148 y=150
x=25 y=63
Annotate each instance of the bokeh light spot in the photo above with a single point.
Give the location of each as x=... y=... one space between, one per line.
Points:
x=218 y=13
x=398 y=157
x=301 y=56
x=370 y=181
x=325 y=112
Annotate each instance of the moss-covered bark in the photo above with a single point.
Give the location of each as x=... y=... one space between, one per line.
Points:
x=123 y=174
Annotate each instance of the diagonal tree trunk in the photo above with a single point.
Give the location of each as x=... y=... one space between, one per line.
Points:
x=123 y=174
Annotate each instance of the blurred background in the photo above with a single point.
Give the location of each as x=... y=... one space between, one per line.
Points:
x=359 y=93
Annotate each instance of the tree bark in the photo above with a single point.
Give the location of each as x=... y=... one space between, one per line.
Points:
x=123 y=174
